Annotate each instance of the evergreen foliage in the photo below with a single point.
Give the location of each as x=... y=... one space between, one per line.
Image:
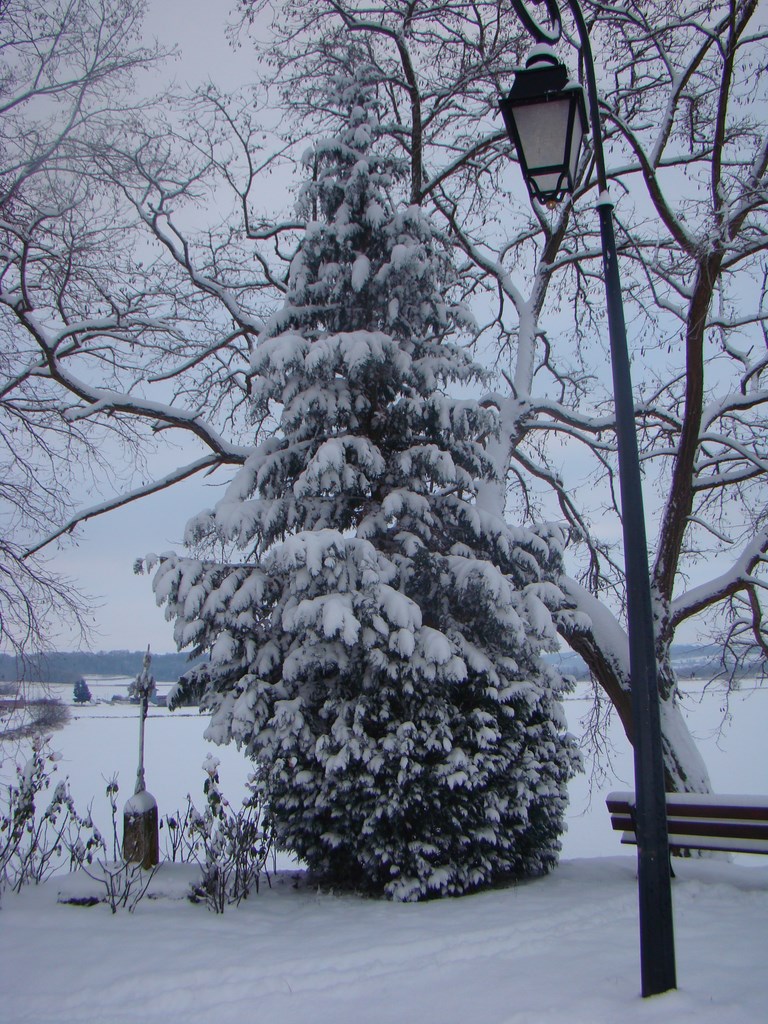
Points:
x=378 y=651
x=82 y=693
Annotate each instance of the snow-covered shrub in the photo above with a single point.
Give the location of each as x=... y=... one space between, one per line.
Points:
x=377 y=652
x=180 y=842
x=232 y=847
x=125 y=882
x=35 y=842
x=30 y=718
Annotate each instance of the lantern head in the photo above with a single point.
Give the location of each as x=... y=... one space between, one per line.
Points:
x=546 y=119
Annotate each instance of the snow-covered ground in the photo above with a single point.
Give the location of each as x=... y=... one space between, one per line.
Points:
x=558 y=949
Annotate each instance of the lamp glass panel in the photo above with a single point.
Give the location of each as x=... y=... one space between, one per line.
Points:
x=578 y=136
x=548 y=183
x=543 y=128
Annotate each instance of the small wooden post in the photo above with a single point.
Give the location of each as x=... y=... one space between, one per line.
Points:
x=141 y=844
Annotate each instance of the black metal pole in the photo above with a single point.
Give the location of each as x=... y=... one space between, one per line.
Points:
x=657 y=945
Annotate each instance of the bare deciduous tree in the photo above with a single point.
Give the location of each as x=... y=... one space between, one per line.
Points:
x=69 y=316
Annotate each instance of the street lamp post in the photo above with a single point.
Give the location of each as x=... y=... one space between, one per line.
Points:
x=541 y=100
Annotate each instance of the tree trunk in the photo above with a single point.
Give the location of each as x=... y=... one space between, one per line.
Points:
x=684 y=766
x=598 y=637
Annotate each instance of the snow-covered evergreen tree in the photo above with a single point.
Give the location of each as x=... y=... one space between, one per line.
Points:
x=82 y=692
x=378 y=650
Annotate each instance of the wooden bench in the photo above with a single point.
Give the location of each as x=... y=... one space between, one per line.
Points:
x=701 y=821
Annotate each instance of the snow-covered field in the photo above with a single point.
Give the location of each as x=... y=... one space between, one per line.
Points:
x=558 y=949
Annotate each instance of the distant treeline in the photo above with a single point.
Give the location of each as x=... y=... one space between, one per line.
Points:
x=67 y=667
x=689 y=660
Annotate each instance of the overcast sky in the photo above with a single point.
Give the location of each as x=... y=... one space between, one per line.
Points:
x=198 y=29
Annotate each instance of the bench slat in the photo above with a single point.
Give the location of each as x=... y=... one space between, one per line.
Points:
x=708 y=843
x=688 y=827
x=718 y=811
x=722 y=829
x=700 y=800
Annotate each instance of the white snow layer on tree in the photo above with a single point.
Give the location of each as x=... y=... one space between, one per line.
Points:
x=378 y=649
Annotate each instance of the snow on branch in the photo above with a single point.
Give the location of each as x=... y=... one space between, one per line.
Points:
x=737 y=577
